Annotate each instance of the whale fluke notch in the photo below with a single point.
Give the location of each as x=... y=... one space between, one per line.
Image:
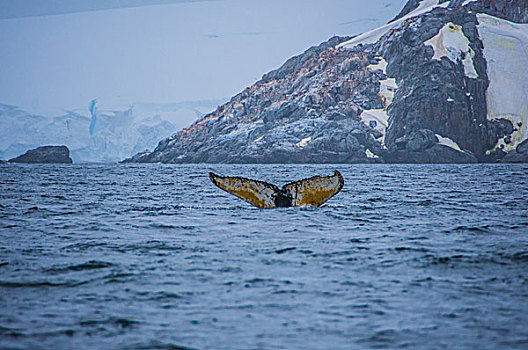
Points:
x=313 y=191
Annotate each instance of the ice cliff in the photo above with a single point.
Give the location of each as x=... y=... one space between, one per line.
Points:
x=444 y=82
x=97 y=134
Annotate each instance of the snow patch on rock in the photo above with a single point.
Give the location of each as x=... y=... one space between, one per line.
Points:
x=378 y=119
x=371 y=155
x=304 y=141
x=387 y=89
x=506 y=53
x=388 y=85
x=453 y=44
x=382 y=64
x=467 y=2
x=520 y=133
x=446 y=141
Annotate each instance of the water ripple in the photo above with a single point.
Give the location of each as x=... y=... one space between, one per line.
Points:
x=155 y=257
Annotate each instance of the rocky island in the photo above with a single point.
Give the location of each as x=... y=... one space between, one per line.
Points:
x=45 y=154
x=443 y=82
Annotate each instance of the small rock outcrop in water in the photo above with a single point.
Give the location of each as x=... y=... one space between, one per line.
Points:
x=423 y=146
x=520 y=155
x=45 y=154
x=441 y=83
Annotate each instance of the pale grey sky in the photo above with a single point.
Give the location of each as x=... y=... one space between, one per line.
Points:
x=31 y=8
x=66 y=53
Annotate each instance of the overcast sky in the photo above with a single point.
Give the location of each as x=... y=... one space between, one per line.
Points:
x=59 y=55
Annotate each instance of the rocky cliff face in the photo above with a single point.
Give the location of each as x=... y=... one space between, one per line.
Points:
x=428 y=87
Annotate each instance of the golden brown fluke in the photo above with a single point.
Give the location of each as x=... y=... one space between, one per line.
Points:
x=258 y=193
x=313 y=191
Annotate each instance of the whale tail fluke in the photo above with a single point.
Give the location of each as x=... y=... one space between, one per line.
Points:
x=258 y=193
x=313 y=191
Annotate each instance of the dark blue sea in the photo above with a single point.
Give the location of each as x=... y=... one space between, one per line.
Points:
x=156 y=257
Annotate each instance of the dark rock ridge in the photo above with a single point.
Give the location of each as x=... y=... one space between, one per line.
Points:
x=328 y=104
x=520 y=155
x=422 y=146
x=512 y=10
x=45 y=154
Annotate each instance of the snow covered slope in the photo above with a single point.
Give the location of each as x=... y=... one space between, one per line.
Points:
x=432 y=86
x=374 y=35
x=506 y=52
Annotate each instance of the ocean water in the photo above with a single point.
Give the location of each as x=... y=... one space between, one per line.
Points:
x=156 y=257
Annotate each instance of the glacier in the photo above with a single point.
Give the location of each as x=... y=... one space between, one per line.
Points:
x=98 y=133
